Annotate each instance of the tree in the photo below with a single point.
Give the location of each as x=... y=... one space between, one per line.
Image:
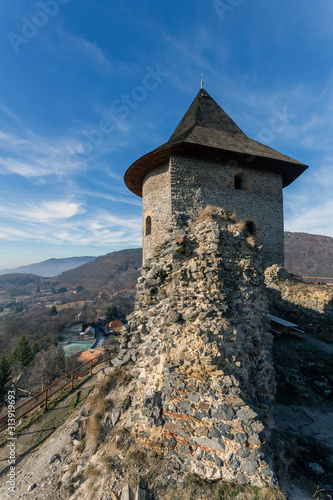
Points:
x=111 y=313
x=22 y=352
x=53 y=311
x=5 y=374
x=54 y=364
x=34 y=349
x=19 y=308
x=55 y=340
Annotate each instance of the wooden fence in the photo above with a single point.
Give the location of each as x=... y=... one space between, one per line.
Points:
x=47 y=393
x=319 y=280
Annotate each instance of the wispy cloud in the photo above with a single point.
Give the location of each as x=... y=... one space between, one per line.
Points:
x=30 y=155
x=45 y=212
x=130 y=200
x=308 y=204
x=70 y=45
x=68 y=222
x=313 y=220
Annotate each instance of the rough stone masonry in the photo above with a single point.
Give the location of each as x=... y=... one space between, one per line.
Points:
x=202 y=351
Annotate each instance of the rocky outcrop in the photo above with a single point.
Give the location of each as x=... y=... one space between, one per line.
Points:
x=202 y=351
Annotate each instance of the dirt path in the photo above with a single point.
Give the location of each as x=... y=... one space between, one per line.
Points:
x=319 y=344
x=30 y=469
x=304 y=421
x=29 y=439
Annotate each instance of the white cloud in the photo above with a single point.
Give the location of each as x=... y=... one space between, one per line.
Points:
x=30 y=155
x=48 y=211
x=11 y=142
x=66 y=222
x=313 y=220
x=53 y=210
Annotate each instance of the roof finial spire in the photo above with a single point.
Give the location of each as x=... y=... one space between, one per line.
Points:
x=202 y=80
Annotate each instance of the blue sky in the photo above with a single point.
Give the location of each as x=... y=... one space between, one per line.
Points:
x=86 y=88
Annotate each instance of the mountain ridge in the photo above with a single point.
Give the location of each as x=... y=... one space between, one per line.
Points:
x=308 y=254
x=50 y=267
x=305 y=254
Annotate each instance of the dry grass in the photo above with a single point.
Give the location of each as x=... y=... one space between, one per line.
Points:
x=98 y=405
x=231 y=213
x=91 y=471
x=206 y=214
x=121 y=374
x=169 y=289
x=108 y=464
x=136 y=455
x=80 y=447
x=123 y=437
x=96 y=401
x=271 y=494
x=72 y=468
x=239 y=226
x=93 y=434
x=196 y=488
x=251 y=241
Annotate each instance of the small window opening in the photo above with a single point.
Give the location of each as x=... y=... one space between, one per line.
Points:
x=238 y=182
x=250 y=228
x=148 y=225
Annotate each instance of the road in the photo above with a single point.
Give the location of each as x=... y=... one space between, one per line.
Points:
x=99 y=337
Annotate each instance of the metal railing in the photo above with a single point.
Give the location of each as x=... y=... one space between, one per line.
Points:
x=47 y=393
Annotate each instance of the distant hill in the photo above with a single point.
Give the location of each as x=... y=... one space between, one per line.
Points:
x=116 y=271
x=308 y=254
x=305 y=254
x=50 y=267
x=17 y=279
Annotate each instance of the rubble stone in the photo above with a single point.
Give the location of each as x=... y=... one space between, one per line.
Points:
x=205 y=381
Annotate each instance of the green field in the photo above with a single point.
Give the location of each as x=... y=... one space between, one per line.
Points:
x=73 y=348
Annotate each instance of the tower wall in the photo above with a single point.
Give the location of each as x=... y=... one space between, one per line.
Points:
x=196 y=183
x=187 y=185
x=156 y=203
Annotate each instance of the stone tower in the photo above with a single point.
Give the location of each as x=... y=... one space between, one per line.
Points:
x=208 y=160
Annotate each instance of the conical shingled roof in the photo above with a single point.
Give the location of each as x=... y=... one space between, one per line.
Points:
x=204 y=112
x=206 y=131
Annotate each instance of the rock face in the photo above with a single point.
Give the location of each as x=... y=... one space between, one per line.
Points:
x=201 y=342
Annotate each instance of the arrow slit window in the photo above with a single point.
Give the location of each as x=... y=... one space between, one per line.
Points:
x=250 y=228
x=239 y=182
x=148 y=225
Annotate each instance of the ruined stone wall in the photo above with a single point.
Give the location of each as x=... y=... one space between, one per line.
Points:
x=307 y=304
x=197 y=183
x=201 y=348
x=156 y=195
